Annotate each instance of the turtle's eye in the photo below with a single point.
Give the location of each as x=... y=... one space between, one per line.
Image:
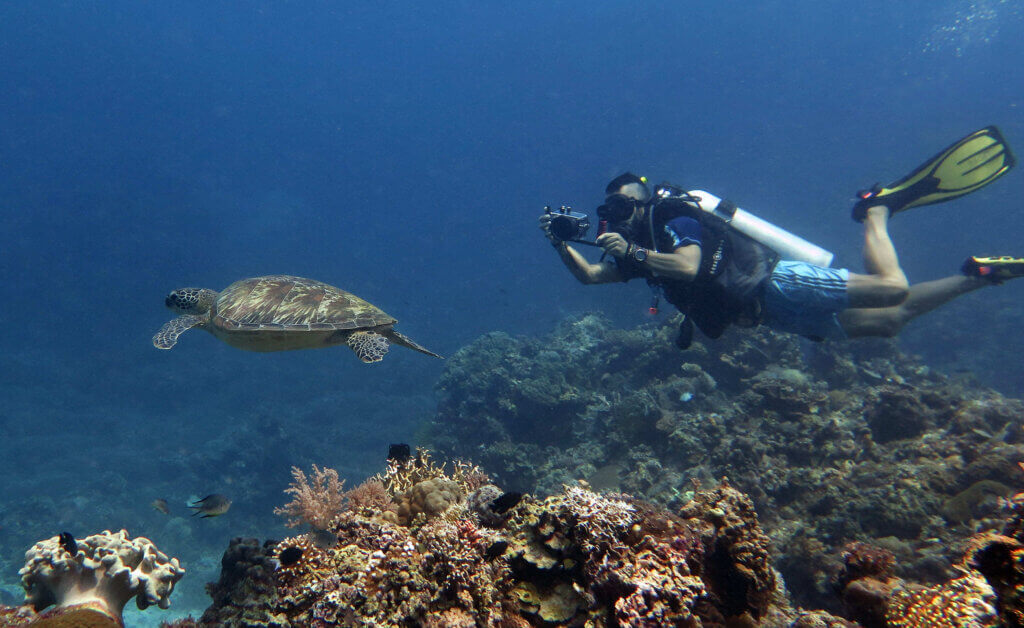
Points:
x=179 y=300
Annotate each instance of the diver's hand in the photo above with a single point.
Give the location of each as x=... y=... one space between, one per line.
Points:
x=545 y=226
x=613 y=243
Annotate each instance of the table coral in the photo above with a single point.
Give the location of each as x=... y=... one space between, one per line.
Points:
x=105 y=572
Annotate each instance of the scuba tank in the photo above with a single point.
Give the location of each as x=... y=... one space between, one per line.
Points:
x=786 y=244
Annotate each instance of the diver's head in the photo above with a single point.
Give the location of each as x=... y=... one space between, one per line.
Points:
x=625 y=200
x=631 y=185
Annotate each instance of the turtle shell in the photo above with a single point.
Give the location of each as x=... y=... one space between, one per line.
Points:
x=286 y=303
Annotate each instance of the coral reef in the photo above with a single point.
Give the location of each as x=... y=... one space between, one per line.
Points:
x=833 y=442
x=576 y=558
x=92 y=579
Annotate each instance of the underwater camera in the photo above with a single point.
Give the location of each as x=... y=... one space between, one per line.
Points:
x=567 y=225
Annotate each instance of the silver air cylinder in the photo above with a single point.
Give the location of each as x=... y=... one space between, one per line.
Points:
x=784 y=243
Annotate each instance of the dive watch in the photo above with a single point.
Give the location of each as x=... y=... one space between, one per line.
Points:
x=639 y=254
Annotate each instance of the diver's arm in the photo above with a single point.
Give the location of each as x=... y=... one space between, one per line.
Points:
x=578 y=265
x=681 y=264
x=583 y=270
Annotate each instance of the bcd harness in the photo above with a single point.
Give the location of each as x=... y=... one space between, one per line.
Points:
x=733 y=270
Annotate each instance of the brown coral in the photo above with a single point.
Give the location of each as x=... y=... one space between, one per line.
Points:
x=428 y=498
x=866 y=582
x=739 y=566
x=369 y=496
x=576 y=558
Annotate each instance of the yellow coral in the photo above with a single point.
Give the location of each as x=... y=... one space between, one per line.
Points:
x=965 y=602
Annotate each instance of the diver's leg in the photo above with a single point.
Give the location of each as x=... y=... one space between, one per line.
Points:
x=921 y=299
x=885 y=284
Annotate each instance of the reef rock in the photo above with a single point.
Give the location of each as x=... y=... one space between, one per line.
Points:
x=833 y=442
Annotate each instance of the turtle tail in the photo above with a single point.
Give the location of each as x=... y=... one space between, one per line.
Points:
x=403 y=340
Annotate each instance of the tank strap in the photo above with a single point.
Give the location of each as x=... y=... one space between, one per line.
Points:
x=726 y=210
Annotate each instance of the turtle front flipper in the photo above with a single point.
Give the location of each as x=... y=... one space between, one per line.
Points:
x=167 y=337
x=369 y=346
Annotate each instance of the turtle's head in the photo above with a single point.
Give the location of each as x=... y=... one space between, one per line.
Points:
x=191 y=300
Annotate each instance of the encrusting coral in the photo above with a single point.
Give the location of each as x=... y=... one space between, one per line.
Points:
x=92 y=579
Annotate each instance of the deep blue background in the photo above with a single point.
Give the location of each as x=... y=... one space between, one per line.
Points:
x=402 y=151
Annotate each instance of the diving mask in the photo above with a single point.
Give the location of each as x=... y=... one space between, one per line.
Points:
x=617 y=208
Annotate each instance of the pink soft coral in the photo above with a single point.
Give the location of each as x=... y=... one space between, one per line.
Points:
x=318 y=499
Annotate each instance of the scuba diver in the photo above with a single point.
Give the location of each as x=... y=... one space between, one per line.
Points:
x=722 y=266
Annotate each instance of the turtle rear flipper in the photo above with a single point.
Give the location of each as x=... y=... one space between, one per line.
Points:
x=167 y=337
x=403 y=340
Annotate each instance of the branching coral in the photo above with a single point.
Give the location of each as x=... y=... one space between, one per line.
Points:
x=317 y=500
x=400 y=476
x=105 y=571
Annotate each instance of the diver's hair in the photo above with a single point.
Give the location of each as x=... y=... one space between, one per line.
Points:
x=627 y=178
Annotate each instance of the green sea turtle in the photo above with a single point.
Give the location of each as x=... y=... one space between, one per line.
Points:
x=280 y=313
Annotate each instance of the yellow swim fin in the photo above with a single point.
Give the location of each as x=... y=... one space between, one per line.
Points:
x=970 y=164
x=995 y=269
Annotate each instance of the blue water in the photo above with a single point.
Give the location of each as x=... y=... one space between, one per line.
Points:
x=402 y=151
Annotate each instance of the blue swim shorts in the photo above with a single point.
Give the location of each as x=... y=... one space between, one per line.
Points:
x=804 y=299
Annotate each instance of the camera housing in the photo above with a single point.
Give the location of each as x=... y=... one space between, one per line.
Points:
x=567 y=225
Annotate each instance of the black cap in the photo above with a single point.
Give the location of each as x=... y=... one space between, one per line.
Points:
x=627 y=178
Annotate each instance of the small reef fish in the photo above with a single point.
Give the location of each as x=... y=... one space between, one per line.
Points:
x=505 y=502
x=67 y=541
x=496 y=549
x=161 y=505
x=399 y=452
x=324 y=539
x=211 y=506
